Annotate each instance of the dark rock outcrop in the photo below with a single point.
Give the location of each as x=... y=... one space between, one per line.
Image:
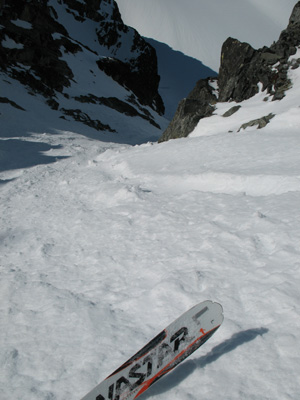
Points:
x=83 y=117
x=118 y=105
x=35 y=47
x=241 y=71
x=33 y=42
x=234 y=79
x=231 y=111
x=138 y=76
x=138 y=70
x=259 y=122
x=198 y=104
x=12 y=103
x=243 y=68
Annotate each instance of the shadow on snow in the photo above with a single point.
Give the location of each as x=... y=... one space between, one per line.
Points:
x=178 y=75
x=184 y=370
x=16 y=153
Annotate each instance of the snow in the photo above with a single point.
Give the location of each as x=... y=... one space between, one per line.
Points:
x=88 y=80
x=9 y=43
x=198 y=28
x=285 y=111
x=22 y=24
x=86 y=32
x=104 y=244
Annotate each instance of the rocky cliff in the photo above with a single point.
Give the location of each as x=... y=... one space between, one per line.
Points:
x=59 y=48
x=242 y=69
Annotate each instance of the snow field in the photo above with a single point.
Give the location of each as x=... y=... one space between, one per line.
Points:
x=101 y=250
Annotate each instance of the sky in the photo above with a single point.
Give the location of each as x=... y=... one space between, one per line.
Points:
x=198 y=28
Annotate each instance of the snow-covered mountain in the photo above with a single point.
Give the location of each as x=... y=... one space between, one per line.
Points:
x=103 y=244
x=76 y=60
x=198 y=28
x=243 y=73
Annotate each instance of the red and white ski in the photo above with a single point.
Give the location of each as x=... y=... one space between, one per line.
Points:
x=163 y=353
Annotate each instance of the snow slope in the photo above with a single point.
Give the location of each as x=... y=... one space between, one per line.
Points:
x=198 y=28
x=30 y=113
x=102 y=245
x=92 y=97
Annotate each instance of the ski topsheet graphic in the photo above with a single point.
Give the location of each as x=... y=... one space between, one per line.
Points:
x=163 y=353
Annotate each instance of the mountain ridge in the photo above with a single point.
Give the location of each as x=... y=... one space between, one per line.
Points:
x=243 y=73
x=198 y=28
x=83 y=61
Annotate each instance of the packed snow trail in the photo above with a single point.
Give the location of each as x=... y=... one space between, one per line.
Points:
x=100 y=250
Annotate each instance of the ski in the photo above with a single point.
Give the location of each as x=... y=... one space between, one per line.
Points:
x=163 y=353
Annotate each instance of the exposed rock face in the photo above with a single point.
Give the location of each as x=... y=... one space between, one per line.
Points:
x=231 y=111
x=238 y=60
x=139 y=75
x=33 y=42
x=137 y=70
x=199 y=104
x=259 y=122
x=242 y=69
